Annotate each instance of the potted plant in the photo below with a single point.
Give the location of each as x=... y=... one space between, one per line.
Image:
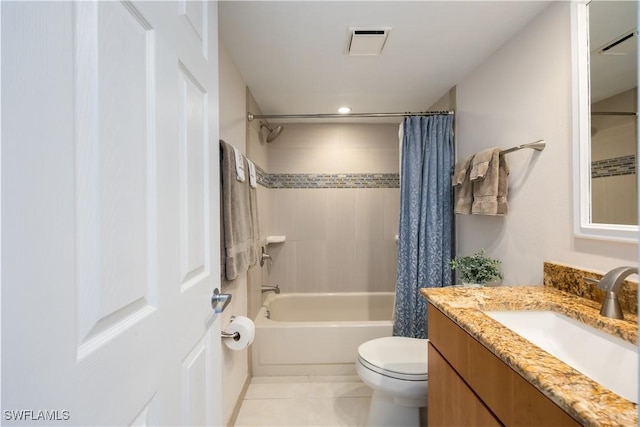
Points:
x=476 y=270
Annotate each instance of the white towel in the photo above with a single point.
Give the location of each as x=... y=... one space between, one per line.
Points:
x=239 y=164
x=253 y=182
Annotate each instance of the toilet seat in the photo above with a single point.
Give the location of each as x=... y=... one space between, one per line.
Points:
x=401 y=358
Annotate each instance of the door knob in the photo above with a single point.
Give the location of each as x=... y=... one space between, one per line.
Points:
x=219 y=301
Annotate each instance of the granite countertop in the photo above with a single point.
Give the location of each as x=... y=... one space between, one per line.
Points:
x=582 y=398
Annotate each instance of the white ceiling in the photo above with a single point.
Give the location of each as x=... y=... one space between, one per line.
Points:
x=293 y=54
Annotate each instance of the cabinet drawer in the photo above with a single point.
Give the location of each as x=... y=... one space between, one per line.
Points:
x=451 y=402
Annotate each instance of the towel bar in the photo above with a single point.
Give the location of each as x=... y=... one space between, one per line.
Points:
x=537 y=145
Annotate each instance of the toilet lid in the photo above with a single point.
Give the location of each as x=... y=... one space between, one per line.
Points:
x=399 y=357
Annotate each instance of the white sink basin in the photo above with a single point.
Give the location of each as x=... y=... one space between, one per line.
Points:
x=606 y=359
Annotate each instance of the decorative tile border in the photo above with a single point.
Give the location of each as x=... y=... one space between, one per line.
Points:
x=346 y=180
x=262 y=177
x=625 y=165
x=338 y=180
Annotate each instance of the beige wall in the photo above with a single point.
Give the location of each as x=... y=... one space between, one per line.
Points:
x=235 y=364
x=522 y=93
x=338 y=240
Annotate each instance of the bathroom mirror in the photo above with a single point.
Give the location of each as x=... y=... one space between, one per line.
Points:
x=605 y=131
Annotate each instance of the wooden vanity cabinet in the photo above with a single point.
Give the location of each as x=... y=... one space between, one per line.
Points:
x=470 y=386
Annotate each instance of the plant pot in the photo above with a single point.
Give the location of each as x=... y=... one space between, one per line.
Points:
x=472 y=285
x=493 y=283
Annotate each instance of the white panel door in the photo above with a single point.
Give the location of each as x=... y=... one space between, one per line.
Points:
x=110 y=213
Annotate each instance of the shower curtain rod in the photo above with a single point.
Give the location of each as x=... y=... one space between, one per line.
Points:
x=252 y=116
x=614 y=113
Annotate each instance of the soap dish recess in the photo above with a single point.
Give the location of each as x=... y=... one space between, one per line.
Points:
x=275 y=239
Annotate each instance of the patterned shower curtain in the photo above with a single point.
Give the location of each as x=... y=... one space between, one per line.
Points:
x=426 y=218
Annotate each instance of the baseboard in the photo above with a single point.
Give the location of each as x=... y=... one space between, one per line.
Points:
x=238 y=405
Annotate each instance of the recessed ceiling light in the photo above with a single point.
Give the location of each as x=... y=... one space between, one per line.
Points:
x=344 y=110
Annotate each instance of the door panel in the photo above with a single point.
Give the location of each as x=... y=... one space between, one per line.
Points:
x=194 y=187
x=116 y=226
x=194 y=15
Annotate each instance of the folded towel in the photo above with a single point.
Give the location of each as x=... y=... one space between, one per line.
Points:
x=253 y=202
x=237 y=219
x=253 y=182
x=503 y=186
x=239 y=164
x=253 y=199
x=463 y=186
x=481 y=162
x=485 y=175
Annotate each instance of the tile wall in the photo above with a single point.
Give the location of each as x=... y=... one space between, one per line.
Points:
x=614 y=184
x=334 y=193
x=338 y=240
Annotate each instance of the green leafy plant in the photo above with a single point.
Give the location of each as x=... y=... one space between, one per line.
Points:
x=478 y=268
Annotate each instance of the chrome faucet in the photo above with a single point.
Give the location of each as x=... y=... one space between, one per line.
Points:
x=611 y=283
x=275 y=289
x=265 y=257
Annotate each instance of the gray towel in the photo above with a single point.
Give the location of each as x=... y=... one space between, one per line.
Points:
x=463 y=186
x=237 y=217
x=489 y=176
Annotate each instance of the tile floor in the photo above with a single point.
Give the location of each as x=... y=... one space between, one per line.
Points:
x=305 y=401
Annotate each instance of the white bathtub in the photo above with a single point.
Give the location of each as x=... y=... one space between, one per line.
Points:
x=318 y=334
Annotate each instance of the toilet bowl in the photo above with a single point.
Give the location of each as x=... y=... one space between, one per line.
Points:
x=396 y=369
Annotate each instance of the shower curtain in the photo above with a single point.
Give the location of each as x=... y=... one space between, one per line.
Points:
x=426 y=218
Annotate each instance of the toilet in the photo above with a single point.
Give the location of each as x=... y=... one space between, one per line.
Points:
x=396 y=369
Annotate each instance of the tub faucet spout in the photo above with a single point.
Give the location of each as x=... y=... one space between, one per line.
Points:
x=275 y=289
x=611 y=283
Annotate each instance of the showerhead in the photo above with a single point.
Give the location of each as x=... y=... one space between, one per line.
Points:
x=273 y=132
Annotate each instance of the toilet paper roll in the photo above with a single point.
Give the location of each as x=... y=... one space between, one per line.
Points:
x=247 y=330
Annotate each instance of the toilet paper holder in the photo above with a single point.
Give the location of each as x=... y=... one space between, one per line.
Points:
x=234 y=335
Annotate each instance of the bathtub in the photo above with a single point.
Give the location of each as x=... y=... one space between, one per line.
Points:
x=317 y=333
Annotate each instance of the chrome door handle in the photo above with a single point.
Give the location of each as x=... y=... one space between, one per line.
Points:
x=217 y=299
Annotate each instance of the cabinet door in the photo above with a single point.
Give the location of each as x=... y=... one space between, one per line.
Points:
x=513 y=400
x=450 y=401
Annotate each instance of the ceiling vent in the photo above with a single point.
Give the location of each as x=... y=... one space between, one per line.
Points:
x=623 y=45
x=367 y=41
